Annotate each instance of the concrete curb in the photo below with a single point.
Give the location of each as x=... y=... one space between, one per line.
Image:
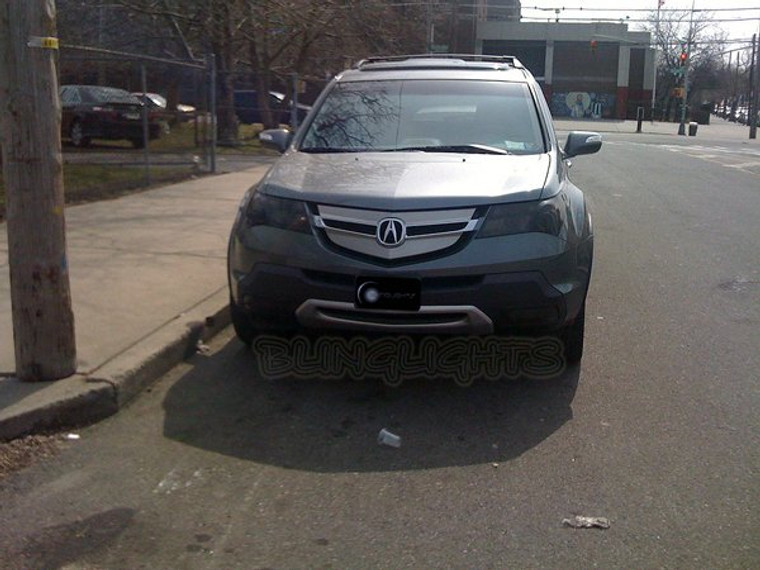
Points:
x=84 y=399
x=55 y=405
x=140 y=365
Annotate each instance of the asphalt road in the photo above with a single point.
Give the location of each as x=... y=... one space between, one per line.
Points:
x=658 y=431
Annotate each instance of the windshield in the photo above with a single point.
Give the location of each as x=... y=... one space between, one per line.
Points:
x=426 y=116
x=95 y=94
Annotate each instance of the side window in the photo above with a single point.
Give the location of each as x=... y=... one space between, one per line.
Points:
x=70 y=95
x=87 y=95
x=66 y=95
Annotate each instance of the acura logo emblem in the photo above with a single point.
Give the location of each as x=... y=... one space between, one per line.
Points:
x=391 y=232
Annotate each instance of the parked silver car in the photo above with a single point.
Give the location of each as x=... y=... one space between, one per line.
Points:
x=423 y=195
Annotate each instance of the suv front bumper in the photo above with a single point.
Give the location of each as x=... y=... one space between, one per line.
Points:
x=487 y=287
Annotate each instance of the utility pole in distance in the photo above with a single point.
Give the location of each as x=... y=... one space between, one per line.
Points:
x=754 y=82
x=30 y=123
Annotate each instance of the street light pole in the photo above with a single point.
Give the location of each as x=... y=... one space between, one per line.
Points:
x=429 y=27
x=754 y=100
x=655 y=59
x=687 y=63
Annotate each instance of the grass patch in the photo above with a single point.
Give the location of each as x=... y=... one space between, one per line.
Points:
x=89 y=182
x=92 y=182
x=184 y=137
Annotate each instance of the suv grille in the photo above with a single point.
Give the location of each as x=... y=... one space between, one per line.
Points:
x=394 y=235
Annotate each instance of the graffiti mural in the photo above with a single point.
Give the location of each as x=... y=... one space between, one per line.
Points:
x=583 y=105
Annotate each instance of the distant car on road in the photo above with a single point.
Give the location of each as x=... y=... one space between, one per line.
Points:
x=248 y=110
x=95 y=112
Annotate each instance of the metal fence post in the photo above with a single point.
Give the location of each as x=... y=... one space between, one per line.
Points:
x=212 y=111
x=145 y=133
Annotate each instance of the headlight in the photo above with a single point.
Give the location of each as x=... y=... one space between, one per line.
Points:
x=263 y=210
x=547 y=216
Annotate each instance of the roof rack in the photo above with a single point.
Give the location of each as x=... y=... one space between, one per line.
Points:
x=440 y=59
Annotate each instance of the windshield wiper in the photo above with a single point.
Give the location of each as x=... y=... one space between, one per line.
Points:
x=328 y=150
x=457 y=148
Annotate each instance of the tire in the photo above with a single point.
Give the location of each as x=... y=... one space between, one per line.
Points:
x=76 y=134
x=242 y=324
x=572 y=338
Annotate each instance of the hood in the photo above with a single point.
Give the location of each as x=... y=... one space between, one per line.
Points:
x=407 y=181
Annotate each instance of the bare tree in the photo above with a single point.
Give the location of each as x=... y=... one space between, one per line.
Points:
x=260 y=42
x=678 y=32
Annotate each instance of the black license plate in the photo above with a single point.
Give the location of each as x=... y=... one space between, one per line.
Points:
x=388 y=293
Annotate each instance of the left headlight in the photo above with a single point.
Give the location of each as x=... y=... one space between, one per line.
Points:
x=263 y=210
x=545 y=216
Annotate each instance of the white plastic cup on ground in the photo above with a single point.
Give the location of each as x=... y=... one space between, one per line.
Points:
x=387 y=438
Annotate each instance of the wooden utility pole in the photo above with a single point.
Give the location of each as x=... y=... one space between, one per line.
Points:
x=30 y=123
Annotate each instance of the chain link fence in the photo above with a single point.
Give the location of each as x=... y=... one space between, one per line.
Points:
x=286 y=102
x=133 y=119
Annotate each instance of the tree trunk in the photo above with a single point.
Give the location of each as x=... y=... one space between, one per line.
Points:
x=30 y=116
x=225 y=64
x=225 y=110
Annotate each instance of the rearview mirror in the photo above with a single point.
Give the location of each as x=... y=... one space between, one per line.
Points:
x=581 y=142
x=276 y=139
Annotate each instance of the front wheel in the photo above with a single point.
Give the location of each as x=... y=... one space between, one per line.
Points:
x=76 y=134
x=242 y=324
x=572 y=338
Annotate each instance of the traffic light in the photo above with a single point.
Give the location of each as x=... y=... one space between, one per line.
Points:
x=593 y=46
x=684 y=54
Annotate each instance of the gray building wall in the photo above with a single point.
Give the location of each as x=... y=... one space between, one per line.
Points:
x=593 y=70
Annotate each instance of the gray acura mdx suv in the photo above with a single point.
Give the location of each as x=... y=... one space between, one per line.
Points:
x=422 y=195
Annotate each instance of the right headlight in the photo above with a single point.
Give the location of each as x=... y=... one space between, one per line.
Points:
x=263 y=210
x=544 y=216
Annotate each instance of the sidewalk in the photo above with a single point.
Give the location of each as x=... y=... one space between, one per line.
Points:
x=718 y=129
x=148 y=279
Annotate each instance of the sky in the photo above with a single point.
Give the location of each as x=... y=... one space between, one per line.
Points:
x=630 y=8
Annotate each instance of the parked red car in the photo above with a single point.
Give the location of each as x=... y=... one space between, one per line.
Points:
x=94 y=112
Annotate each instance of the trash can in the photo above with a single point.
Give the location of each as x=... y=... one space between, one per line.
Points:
x=693 y=129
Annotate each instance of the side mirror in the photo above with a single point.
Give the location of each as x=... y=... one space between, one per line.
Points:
x=276 y=139
x=581 y=142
